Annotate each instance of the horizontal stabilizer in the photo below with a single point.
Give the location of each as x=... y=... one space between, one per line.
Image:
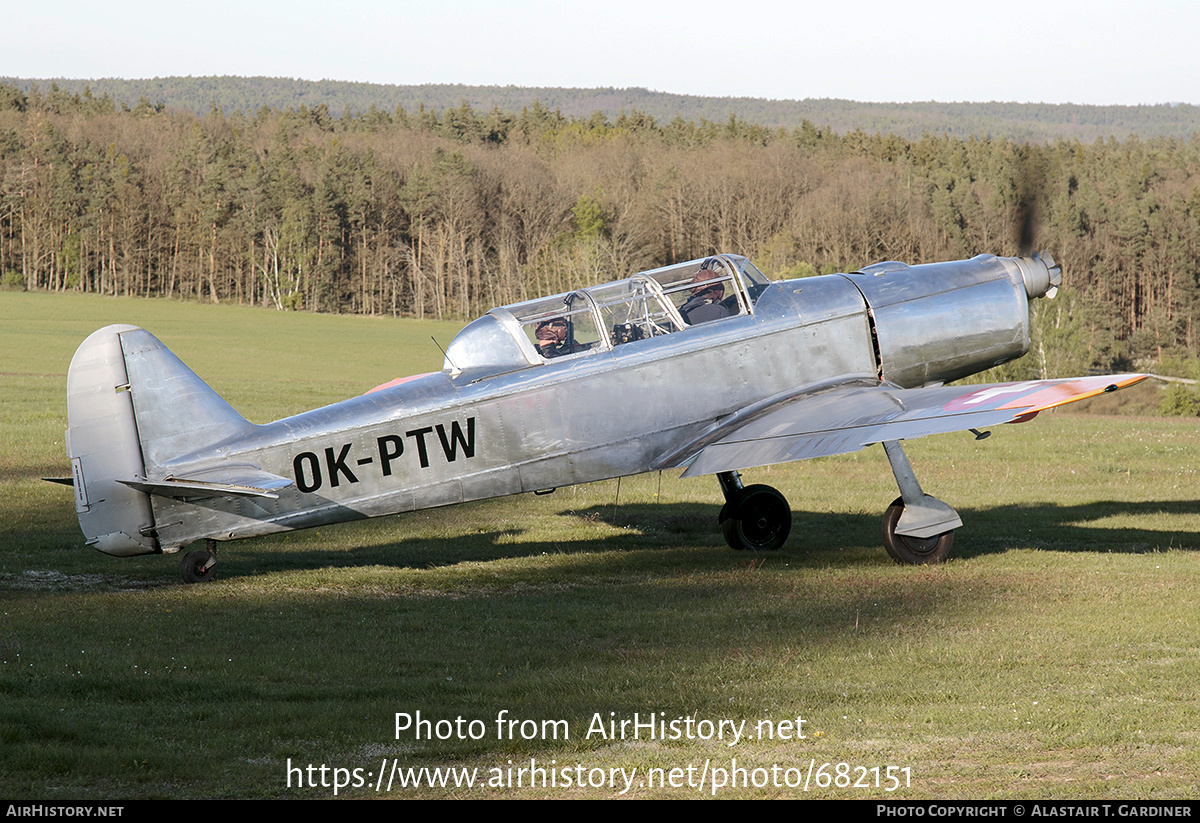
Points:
x=238 y=481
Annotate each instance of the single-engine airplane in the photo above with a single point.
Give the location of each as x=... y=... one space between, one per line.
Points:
x=705 y=366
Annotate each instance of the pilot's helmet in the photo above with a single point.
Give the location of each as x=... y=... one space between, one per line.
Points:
x=713 y=290
x=553 y=330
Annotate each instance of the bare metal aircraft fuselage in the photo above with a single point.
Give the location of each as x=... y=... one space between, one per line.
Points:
x=160 y=461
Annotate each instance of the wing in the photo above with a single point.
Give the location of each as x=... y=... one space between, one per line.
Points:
x=850 y=416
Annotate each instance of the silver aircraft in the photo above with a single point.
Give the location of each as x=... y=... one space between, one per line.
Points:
x=705 y=366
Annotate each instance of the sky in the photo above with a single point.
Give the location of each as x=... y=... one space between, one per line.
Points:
x=1048 y=51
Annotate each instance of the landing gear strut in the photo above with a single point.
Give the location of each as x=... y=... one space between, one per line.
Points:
x=754 y=518
x=200 y=566
x=917 y=529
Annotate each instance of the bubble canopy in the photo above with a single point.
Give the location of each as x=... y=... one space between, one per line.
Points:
x=586 y=321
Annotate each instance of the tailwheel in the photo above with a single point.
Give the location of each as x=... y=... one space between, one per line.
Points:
x=913 y=551
x=198 y=567
x=756 y=518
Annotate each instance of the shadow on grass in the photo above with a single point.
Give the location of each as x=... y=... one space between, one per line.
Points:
x=1081 y=528
x=690 y=530
x=666 y=533
x=985 y=531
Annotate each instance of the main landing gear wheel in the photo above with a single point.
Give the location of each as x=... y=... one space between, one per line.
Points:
x=758 y=518
x=198 y=567
x=913 y=551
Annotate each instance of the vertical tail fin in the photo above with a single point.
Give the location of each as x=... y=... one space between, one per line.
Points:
x=176 y=411
x=132 y=405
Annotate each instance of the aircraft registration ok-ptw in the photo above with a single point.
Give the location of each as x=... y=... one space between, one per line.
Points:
x=705 y=366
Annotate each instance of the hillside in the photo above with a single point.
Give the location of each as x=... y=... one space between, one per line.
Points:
x=1035 y=122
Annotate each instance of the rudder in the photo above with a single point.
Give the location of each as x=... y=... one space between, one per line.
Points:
x=103 y=447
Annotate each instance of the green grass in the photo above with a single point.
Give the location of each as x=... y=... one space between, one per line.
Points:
x=1054 y=657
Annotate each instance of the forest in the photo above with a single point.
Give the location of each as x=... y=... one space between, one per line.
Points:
x=1033 y=122
x=419 y=213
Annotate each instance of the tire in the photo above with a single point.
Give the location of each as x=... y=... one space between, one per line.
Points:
x=758 y=520
x=913 y=551
x=192 y=570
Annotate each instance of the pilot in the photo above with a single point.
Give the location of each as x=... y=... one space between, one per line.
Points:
x=705 y=303
x=554 y=338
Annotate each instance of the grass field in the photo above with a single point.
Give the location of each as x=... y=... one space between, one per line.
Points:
x=1055 y=656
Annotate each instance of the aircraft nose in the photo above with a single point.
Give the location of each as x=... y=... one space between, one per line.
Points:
x=1041 y=274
